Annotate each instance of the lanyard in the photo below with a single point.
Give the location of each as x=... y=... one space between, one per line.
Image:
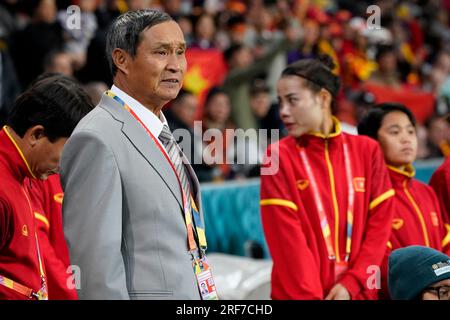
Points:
x=324 y=224
x=191 y=218
x=42 y=293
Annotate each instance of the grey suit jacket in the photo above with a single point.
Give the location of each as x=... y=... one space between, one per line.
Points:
x=122 y=211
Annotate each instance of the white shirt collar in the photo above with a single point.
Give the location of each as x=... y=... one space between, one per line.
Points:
x=151 y=121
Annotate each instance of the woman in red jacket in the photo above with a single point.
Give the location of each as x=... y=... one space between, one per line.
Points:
x=417 y=216
x=325 y=195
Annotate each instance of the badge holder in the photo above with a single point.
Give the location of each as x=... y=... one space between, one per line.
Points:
x=205 y=281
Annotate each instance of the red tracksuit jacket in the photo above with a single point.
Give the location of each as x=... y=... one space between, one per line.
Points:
x=18 y=247
x=47 y=198
x=417 y=216
x=440 y=182
x=301 y=268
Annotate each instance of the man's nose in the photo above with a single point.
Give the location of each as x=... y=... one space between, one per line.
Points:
x=173 y=63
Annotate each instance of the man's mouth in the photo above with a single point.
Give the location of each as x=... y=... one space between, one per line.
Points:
x=171 y=80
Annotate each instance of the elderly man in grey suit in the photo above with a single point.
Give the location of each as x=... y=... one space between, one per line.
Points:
x=131 y=197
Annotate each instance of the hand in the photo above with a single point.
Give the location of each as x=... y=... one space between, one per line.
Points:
x=338 y=292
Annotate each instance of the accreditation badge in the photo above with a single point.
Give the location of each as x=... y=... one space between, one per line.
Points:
x=339 y=269
x=205 y=281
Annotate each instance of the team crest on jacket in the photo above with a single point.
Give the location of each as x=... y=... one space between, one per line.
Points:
x=434 y=219
x=359 y=183
x=397 y=223
x=302 y=184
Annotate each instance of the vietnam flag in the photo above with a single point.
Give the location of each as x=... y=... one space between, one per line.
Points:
x=420 y=103
x=206 y=69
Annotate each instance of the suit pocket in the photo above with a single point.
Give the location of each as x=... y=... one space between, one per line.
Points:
x=147 y=294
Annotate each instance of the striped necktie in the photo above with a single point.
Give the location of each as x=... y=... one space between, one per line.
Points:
x=175 y=155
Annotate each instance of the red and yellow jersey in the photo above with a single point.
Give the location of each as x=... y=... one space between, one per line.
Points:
x=19 y=248
x=416 y=220
x=47 y=196
x=440 y=182
x=417 y=216
x=301 y=265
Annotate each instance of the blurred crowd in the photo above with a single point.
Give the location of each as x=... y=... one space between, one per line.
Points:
x=236 y=52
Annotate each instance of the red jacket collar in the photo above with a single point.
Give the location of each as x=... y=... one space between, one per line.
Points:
x=398 y=176
x=14 y=159
x=317 y=137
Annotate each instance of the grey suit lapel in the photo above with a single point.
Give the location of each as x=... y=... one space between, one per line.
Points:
x=140 y=139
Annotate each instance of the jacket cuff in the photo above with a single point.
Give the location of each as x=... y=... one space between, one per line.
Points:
x=351 y=284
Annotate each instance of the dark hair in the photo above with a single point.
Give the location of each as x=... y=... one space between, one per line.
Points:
x=231 y=50
x=181 y=95
x=258 y=86
x=56 y=102
x=371 y=122
x=383 y=50
x=49 y=59
x=125 y=32
x=318 y=74
x=212 y=93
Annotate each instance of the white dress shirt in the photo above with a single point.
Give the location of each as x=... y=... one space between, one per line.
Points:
x=148 y=118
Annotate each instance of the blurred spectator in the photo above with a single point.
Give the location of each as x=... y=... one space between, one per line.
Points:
x=9 y=84
x=79 y=38
x=423 y=151
x=185 y=24
x=309 y=45
x=266 y=113
x=180 y=117
x=217 y=117
x=42 y=35
x=244 y=68
x=59 y=61
x=438 y=137
x=95 y=90
x=181 y=114
x=205 y=30
x=387 y=73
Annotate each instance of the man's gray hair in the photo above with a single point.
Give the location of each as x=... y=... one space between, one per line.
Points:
x=125 y=31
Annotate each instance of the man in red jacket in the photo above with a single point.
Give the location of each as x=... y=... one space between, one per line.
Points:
x=39 y=124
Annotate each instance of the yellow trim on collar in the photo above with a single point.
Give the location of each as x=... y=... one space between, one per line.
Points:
x=279 y=202
x=5 y=128
x=408 y=172
x=336 y=131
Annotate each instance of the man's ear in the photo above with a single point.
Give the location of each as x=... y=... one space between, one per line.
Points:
x=121 y=59
x=34 y=134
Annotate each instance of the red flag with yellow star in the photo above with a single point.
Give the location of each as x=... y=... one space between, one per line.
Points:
x=206 y=69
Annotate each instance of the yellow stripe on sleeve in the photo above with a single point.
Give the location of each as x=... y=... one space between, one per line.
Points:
x=42 y=218
x=381 y=198
x=279 y=202
x=446 y=240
